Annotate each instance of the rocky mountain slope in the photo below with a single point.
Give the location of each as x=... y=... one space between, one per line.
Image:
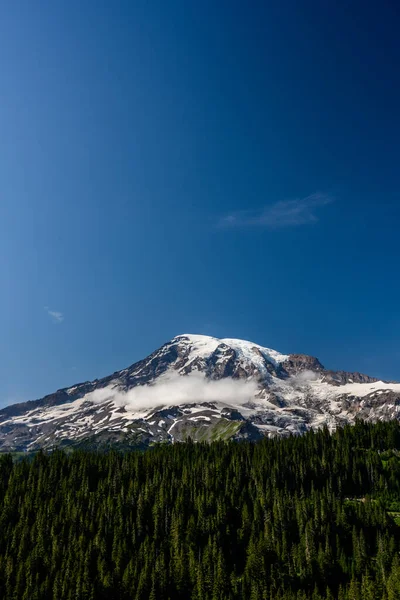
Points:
x=202 y=387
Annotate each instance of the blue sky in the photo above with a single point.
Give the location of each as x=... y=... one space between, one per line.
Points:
x=215 y=167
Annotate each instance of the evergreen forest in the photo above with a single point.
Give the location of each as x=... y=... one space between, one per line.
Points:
x=315 y=517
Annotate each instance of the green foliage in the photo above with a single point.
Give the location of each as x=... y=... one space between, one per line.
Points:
x=303 y=518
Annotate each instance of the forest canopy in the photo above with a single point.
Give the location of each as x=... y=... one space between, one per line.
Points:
x=312 y=517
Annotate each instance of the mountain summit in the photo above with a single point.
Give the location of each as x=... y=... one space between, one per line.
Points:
x=200 y=387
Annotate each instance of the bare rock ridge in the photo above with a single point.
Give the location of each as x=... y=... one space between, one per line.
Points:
x=202 y=387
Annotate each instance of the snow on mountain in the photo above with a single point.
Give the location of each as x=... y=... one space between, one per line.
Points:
x=203 y=387
x=204 y=346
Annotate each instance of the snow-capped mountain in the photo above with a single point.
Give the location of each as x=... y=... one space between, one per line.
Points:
x=200 y=387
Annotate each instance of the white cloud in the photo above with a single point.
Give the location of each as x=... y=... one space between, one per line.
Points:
x=55 y=315
x=304 y=378
x=287 y=213
x=174 y=390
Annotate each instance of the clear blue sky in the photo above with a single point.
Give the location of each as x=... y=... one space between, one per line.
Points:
x=219 y=167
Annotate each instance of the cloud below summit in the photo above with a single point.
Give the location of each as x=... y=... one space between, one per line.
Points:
x=174 y=390
x=287 y=213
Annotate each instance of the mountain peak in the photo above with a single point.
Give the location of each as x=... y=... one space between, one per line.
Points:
x=203 y=387
x=206 y=345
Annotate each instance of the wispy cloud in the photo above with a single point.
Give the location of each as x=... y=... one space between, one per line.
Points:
x=173 y=390
x=55 y=315
x=287 y=213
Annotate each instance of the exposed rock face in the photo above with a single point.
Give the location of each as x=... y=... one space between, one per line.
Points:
x=342 y=377
x=298 y=363
x=203 y=388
